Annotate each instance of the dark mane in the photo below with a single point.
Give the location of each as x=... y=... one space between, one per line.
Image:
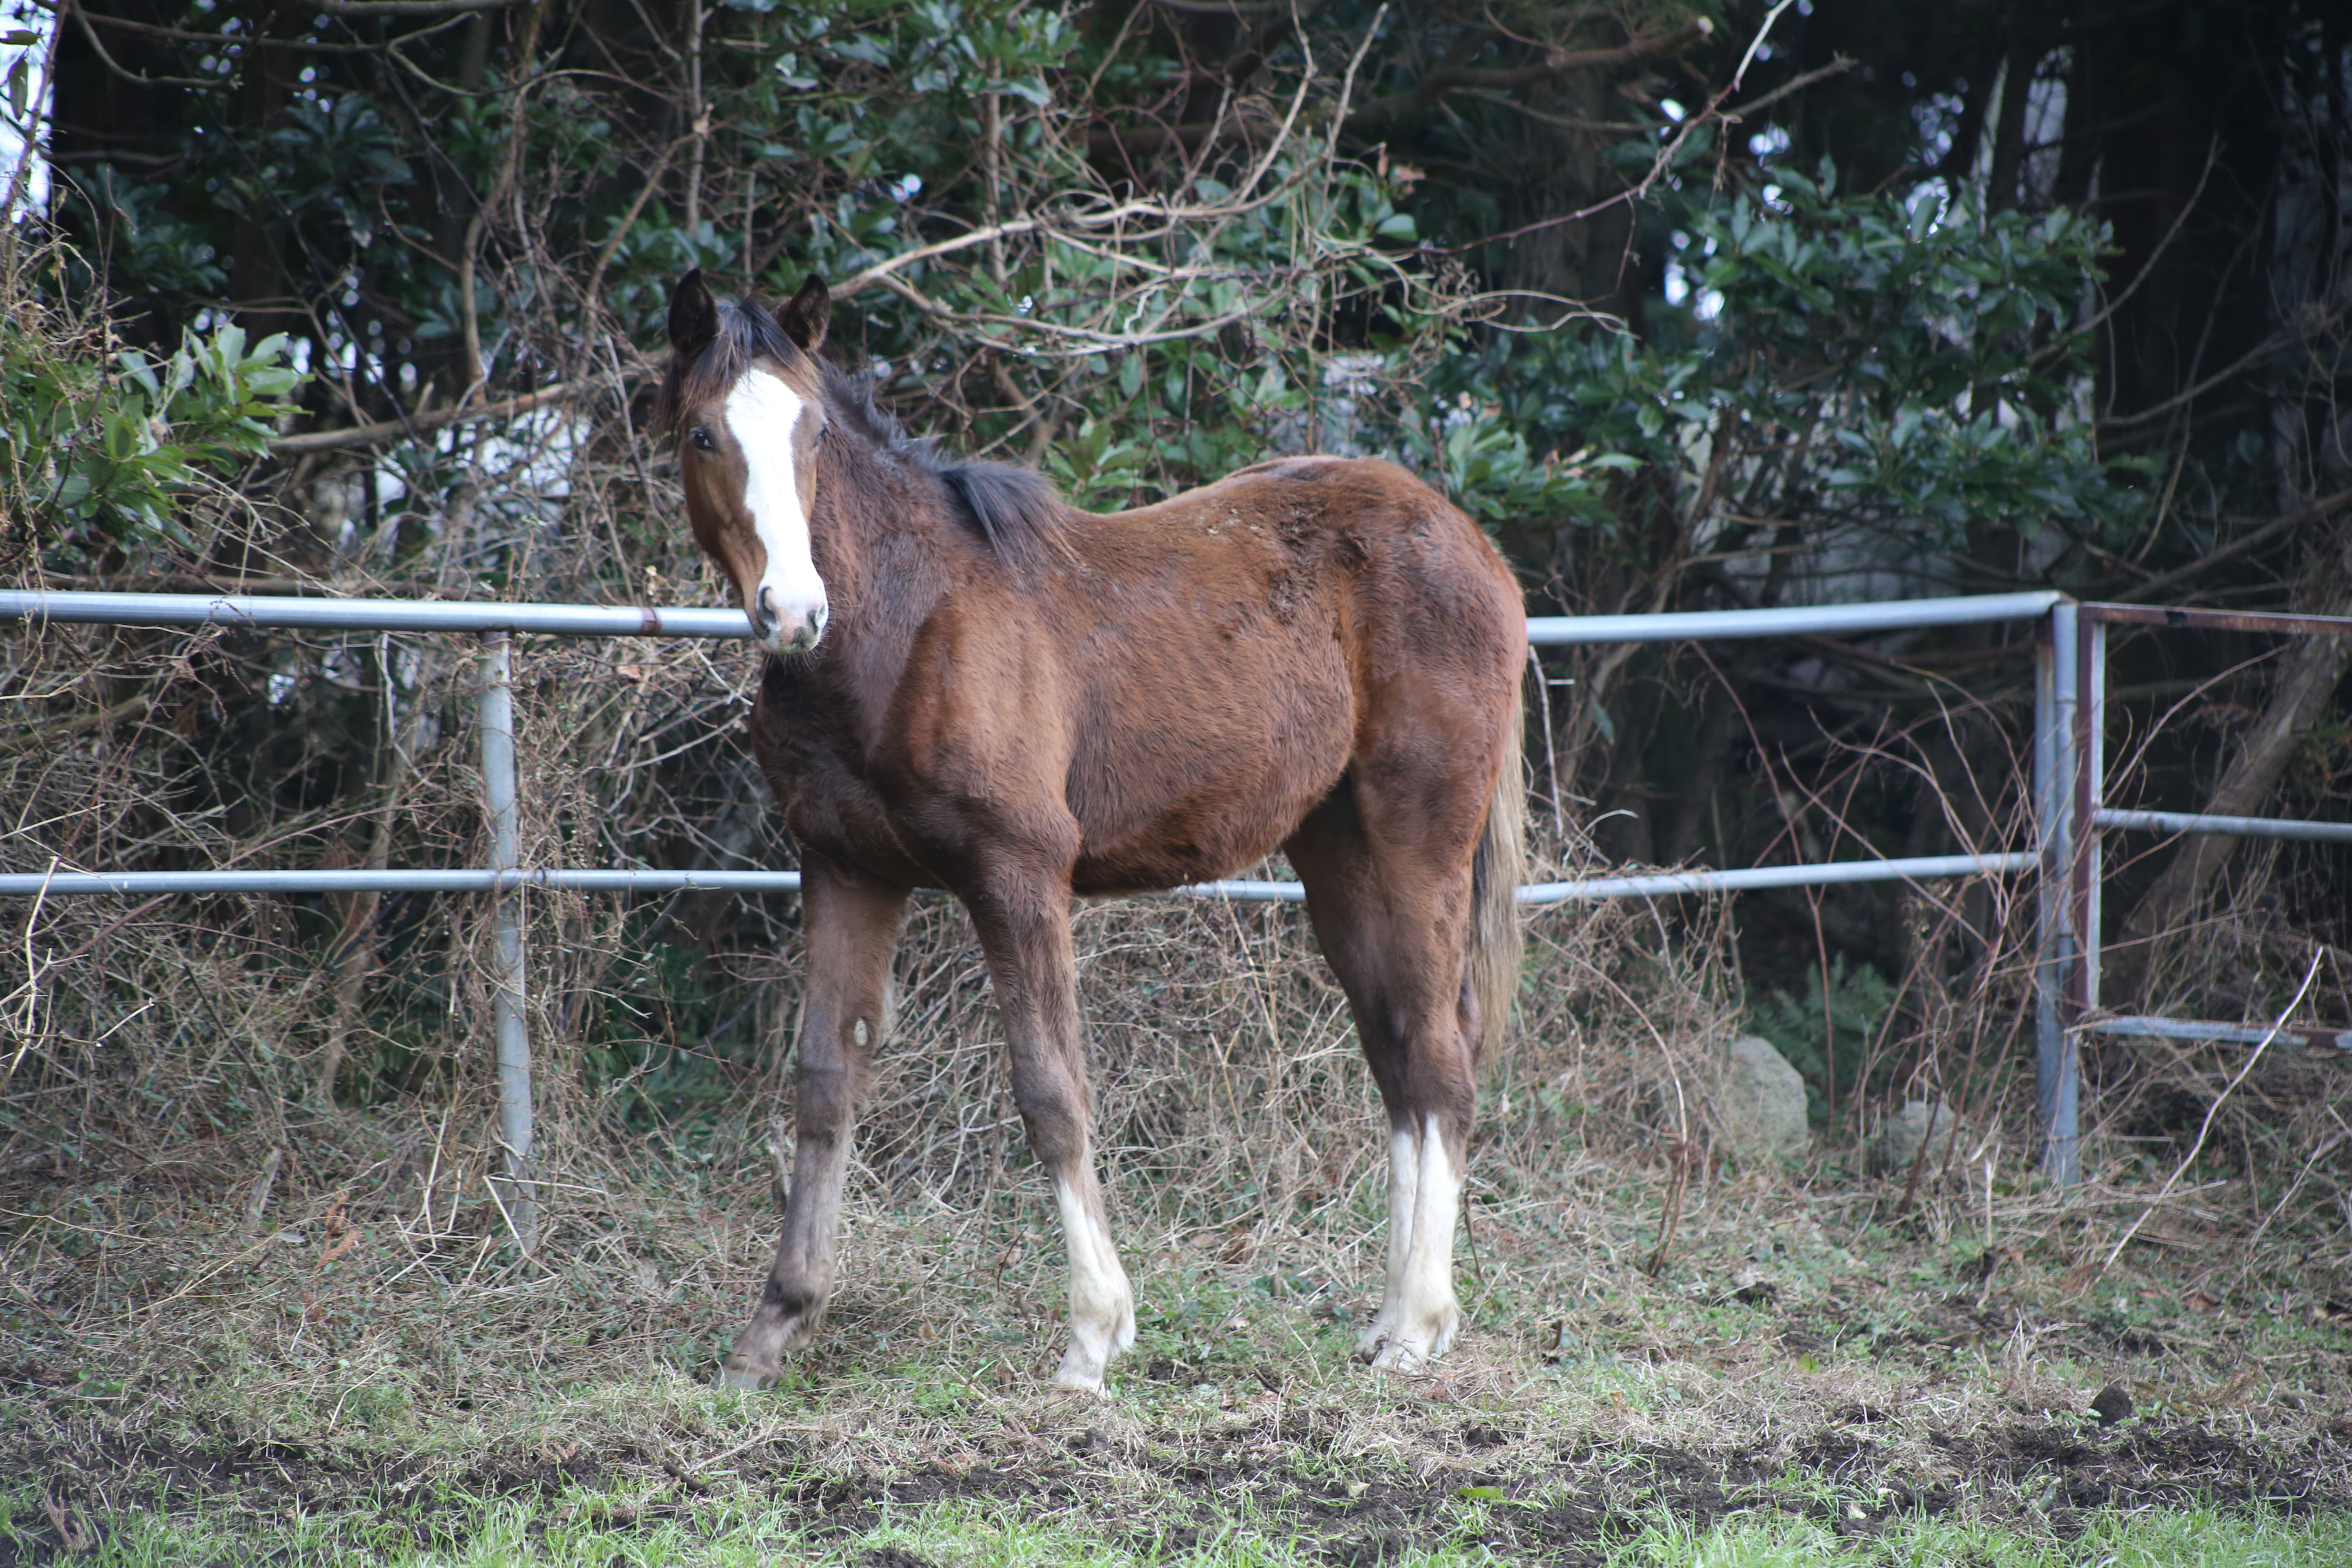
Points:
x=1015 y=510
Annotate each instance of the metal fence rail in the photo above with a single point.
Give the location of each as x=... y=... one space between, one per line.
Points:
x=252 y=612
x=281 y=613
x=2070 y=756
x=2235 y=827
x=471 y=879
x=1668 y=884
x=1798 y=620
x=2069 y=702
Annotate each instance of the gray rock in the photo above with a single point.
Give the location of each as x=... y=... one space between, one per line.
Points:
x=1763 y=1103
x=1918 y=1122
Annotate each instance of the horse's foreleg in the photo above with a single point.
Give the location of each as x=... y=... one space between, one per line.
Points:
x=853 y=931
x=1026 y=932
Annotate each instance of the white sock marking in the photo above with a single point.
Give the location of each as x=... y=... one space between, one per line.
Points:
x=1418 y=1315
x=1404 y=1176
x=1429 y=1268
x=1102 y=1321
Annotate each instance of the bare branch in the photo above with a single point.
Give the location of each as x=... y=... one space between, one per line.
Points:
x=2253 y=539
x=1217 y=8
x=1382 y=112
x=110 y=62
x=415 y=7
x=858 y=281
x=1838 y=66
x=394 y=429
x=241 y=40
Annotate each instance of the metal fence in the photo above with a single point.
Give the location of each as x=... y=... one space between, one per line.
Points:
x=2068 y=762
x=2070 y=758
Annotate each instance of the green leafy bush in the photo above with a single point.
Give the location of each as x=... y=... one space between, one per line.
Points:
x=97 y=454
x=1877 y=374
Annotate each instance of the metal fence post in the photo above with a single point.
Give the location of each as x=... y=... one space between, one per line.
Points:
x=505 y=823
x=2055 y=770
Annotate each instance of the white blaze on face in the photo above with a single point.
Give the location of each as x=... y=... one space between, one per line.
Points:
x=788 y=606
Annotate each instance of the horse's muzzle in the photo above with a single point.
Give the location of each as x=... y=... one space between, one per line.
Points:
x=779 y=631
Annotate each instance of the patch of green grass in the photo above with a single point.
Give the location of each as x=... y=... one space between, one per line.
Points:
x=1801 y=1375
x=2160 y=1537
x=582 y=1528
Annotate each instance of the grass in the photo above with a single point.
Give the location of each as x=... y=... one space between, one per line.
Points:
x=594 y=1527
x=373 y=1374
x=2164 y=1538
x=1807 y=1382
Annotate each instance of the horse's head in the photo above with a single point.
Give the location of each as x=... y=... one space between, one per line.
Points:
x=745 y=401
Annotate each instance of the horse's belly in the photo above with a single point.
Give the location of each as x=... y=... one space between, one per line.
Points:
x=1195 y=797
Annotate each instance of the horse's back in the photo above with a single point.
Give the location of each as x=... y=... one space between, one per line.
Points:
x=1237 y=647
x=1404 y=576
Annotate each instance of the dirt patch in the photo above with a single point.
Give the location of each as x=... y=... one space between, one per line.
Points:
x=1568 y=1508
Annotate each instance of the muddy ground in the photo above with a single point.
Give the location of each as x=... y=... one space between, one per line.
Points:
x=1458 y=1478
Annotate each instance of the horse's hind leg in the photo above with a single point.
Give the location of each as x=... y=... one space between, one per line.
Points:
x=1390 y=914
x=853 y=931
x=1024 y=923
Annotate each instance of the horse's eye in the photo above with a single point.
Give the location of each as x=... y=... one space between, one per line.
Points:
x=702 y=440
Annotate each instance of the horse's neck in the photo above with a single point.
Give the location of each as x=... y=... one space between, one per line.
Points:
x=885 y=555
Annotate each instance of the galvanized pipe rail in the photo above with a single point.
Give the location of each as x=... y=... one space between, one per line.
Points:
x=255 y=612
x=2234 y=826
x=281 y=612
x=2073 y=733
x=2068 y=768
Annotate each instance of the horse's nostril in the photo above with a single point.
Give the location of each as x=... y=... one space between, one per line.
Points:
x=763 y=611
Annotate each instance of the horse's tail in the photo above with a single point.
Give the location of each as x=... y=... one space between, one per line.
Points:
x=1496 y=868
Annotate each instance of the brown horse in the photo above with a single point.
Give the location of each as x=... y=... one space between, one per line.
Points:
x=973 y=686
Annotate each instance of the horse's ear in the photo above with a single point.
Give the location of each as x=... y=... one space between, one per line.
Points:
x=693 y=315
x=803 y=316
